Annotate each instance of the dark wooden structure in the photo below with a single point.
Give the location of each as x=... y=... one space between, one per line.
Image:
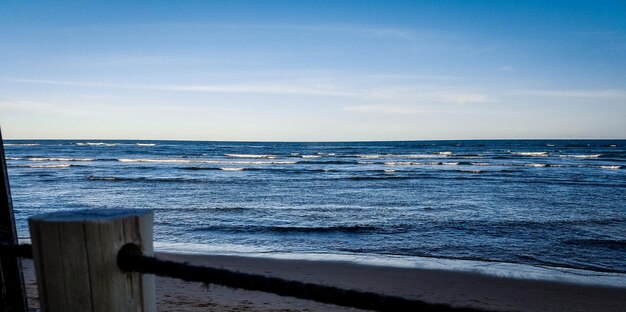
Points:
x=12 y=292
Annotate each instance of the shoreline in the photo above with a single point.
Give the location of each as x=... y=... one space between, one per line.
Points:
x=455 y=288
x=490 y=268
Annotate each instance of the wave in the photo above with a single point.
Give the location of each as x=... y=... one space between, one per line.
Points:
x=328 y=162
x=138 y=179
x=404 y=163
x=537 y=165
x=480 y=164
x=469 y=170
x=375 y=156
x=532 y=154
x=311 y=156
x=611 y=167
x=59 y=159
x=431 y=163
x=604 y=243
x=292 y=229
x=13 y=158
x=199 y=168
x=21 y=144
x=436 y=155
x=145 y=160
x=450 y=163
x=145 y=144
x=96 y=144
x=231 y=169
x=200 y=161
x=379 y=177
x=62 y=166
x=582 y=156
x=250 y=156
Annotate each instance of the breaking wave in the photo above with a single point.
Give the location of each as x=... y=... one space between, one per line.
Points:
x=293 y=229
x=202 y=161
x=138 y=179
x=21 y=144
x=61 y=166
x=96 y=144
x=231 y=169
x=582 y=156
x=59 y=159
x=532 y=154
x=250 y=156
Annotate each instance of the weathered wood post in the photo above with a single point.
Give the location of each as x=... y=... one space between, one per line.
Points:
x=75 y=259
x=12 y=293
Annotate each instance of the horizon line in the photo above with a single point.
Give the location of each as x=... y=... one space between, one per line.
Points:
x=337 y=141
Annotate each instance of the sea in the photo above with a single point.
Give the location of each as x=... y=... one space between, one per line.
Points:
x=541 y=203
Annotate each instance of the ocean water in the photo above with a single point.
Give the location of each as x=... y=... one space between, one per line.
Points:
x=555 y=203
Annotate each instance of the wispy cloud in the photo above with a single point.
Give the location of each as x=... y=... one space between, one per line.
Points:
x=581 y=94
x=384 y=109
x=358 y=89
x=359 y=29
x=428 y=95
x=262 y=88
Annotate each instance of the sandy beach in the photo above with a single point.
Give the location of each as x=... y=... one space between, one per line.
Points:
x=459 y=289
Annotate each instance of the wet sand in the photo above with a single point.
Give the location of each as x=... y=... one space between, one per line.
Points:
x=459 y=289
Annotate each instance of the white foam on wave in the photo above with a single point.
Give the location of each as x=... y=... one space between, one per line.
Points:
x=582 y=156
x=13 y=158
x=534 y=154
x=403 y=163
x=536 y=165
x=469 y=170
x=142 y=160
x=311 y=156
x=59 y=159
x=369 y=156
x=610 y=167
x=250 y=156
x=221 y=248
x=63 y=166
x=450 y=163
x=96 y=144
x=424 y=155
x=444 y=153
x=389 y=170
x=201 y=161
x=231 y=169
x=21 y=144
x=146 y=144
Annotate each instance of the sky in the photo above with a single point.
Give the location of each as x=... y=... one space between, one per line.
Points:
x=312 y=70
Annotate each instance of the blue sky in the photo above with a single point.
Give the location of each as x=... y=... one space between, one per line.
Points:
x=313 y=70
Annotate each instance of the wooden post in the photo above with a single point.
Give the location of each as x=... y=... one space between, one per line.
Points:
x=75 y=256
x=12 y=293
